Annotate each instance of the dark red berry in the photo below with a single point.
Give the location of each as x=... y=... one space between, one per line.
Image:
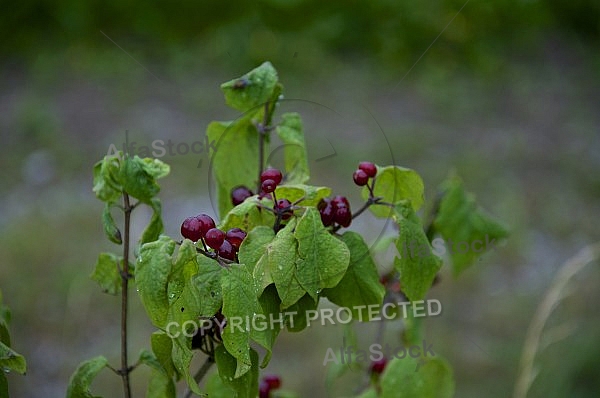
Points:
x=264 y=390
x=268 y=186
x=235 y=236
x=206 y=223
x=369 y=168
x=190 y=229
x=271 y=174
x=273 y=381
x=284 y=206
x=343 y=216
x=214 y=238
x=378 y=367
x=360 y=178
x=340 y=201
x=327 y=211
x=226 y=250
x=239 y=194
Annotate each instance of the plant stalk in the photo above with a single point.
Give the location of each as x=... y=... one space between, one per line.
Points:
x=125 y=370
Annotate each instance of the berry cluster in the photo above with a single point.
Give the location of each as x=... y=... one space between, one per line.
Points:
x=365 y=171
x=335 y=211
x=202 y=228
x=268 y=383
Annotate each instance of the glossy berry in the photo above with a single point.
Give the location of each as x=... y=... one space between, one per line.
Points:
x=264 y=390
x=284 y=206
x=214 y=238
x=273 y=381
x=206 y=223
x=271 y=174
x=340 y=201
x=268 y=186
x=190 y=229
x=327 y=211
x=343 y=216
x=377 y=367
x=360 y=178
x=239 y=194
x=369 y=168
x=226 y=250
x=235 y=236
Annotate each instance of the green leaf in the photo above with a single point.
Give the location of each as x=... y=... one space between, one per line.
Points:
x=248 y=215
x=234 y=140
x=10 y=360
x=182 y=358
x=185 y=306
x=323 y=259
x=254 y=245
x=215 y=388
x=251 y=90
x=401 y=379
x=461 y=222
x=270 y=304
x=208 y=286
x=152 y=273
x=136 y=180
x=279 y=265
x=311 y=195
x=107 y=186
x=298 y=322
x=3 y=386
x=4 y=321
x=79 y=385
x=106 y=273
x=155 y=227
x=294 y=150
x=241 y=308
x=244 y=386
x=110 y=228
x=417 y=264
x=360 y=285
x=160 y=385
x=155 y=168
x=393 y=184
x=162 y=347
x=368 y=393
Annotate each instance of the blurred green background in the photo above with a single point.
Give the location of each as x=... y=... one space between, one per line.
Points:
x=507 y=95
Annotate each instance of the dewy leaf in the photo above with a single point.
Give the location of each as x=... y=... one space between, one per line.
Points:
x=136 y=181
x=152 y=274
x=251 y=90
x=360 y=285
x=79 y=385
x=11 y=360
x=467 y=229
x=106 y=179
x=233 y=140
x=185 y=307
x=245 y=386
x=294 y=148
x=310 y=195
x=155 y=227
x=402 y=379
x=106 y=272
x=323 y=259
x=110 y=227
x=254 y=245
x=242 y=310
x=279 y=265
x=417 y=264
x=208 y=286
x=247 y=216
x=393 y=184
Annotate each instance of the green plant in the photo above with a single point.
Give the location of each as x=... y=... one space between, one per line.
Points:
x=282 y=253
x=10 y=360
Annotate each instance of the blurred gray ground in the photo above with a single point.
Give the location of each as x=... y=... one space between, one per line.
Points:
x=527 y=144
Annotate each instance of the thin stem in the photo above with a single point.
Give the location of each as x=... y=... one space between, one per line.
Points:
x=201 y=373
x=125 y=370
x=262 y=129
